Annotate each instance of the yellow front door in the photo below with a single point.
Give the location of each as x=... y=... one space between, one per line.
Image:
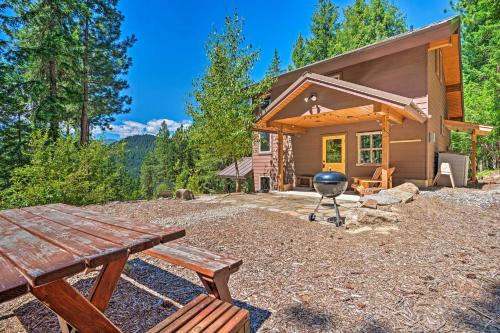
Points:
x=334 y=153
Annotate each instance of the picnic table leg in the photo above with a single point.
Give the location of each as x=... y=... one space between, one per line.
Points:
x=218 y=286
x=102 y=289
x=68 y=303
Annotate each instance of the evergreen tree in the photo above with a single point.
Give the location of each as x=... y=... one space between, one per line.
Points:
x=104 y=62
x=324 y=31
x=299 y=53
x=43 y=43
x=365 y=23
x=481 y=56
x=274 y=68
x=222 y=112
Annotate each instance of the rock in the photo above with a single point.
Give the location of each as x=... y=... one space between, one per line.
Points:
x=407 y=187
x=165 y=194
x=184 y=194
x=381 y=199
x=370 y=203
x=401 y=195
x=370 y=216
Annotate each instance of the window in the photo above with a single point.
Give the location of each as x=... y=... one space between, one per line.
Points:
x=438 y=64
x=370 y=148
x=264 y=142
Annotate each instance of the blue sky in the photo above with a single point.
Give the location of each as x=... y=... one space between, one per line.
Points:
x=170 y=51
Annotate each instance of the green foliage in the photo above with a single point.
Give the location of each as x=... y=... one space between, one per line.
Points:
x=169 y=164
x=299 y=53
x=136 y=149
x=222 y=111
x=481 y=56
x=324 y=28
x=274 y=68
x=363 y=23
x=63 y=171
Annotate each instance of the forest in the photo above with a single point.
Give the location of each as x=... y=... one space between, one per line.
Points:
x=63 y=73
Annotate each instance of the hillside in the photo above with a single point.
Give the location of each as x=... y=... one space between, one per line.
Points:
x=137 y=148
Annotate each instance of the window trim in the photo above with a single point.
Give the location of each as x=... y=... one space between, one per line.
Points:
x=371 y=149
x=270 y=144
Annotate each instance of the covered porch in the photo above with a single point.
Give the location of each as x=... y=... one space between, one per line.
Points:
x=317 y=101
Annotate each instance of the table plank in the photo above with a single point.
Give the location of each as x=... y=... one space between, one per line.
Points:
x=38 y=260
x=12 y=283
x=133 y=240
x=166 y=234
x=96 y=251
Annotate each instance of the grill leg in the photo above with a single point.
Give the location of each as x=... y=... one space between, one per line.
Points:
x=312 y=216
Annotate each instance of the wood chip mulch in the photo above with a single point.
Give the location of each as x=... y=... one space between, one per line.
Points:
x=438 y=272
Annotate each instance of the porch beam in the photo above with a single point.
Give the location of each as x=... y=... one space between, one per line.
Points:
x=393 y=116
x=438 y=44
x=288 y=128
x=281 y=186
x=385 y=151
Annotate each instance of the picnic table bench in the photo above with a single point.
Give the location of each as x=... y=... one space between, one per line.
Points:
x=213 y=269
x=40 y=246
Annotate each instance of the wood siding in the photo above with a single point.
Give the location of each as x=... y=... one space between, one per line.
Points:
x=438 y=111
x=391 y=73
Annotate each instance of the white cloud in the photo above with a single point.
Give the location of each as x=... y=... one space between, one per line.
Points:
x=129 y=127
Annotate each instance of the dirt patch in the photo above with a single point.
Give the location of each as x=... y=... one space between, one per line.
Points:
x=436 y=271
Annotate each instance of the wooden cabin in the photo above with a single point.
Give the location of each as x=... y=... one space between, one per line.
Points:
x=389 y=104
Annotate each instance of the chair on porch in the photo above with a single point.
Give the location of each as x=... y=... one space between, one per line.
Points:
x=370 y=185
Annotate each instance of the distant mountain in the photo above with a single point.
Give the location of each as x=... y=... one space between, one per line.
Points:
x=137 y=148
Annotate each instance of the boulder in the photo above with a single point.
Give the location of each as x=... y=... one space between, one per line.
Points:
x=404 y=197
x=184 y=194
x=407 y=187
x=371 y=216
x=381 y=198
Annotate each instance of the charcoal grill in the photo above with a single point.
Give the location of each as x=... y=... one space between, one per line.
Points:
x=330 y=185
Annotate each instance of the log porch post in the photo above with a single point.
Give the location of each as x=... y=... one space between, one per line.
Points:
x=473 y=157
x=385 y=151
x=280 y=161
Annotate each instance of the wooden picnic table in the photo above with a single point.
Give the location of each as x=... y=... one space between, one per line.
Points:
x=40 y=246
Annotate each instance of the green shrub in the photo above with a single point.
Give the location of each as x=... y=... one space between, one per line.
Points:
x=64 y=171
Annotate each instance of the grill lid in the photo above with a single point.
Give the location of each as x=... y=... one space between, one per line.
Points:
x=332 y=177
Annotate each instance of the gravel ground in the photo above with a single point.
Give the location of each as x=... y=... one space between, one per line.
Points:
x=437 y=272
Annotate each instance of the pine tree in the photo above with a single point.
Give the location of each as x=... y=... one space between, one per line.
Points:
x=274 y=68
x=299 y=53
x=222 y=112
x=42 y=36
x=481 y=56
x=324 y=31
x=104 y=62
x=365 y=23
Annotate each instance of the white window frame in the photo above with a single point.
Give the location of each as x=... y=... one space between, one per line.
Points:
x=270 y=144
x=371 y=149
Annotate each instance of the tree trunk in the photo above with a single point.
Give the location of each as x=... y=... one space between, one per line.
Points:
x=238 y=189
x=54 y=117
x=84 y=119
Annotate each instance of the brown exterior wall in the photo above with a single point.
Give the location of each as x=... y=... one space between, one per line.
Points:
x=402 y=73
x=438 y=112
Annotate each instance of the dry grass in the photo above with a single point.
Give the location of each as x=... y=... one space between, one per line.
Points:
x=438 y=272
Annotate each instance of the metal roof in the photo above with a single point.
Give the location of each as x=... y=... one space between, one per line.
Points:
x=245 y=168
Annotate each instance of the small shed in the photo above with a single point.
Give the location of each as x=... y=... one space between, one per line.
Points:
x=245 y=169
